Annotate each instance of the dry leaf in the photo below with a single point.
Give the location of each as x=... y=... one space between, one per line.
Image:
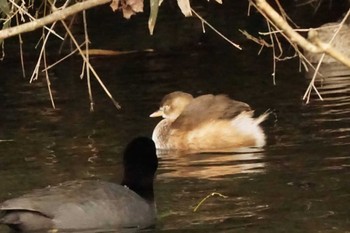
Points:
x=114 y=5
x=129 y=7
x=127 y=12
x=185 y=7
x=136 y=5
x=154 y=4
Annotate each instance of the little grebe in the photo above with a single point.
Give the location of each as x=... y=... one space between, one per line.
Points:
x=207 y=123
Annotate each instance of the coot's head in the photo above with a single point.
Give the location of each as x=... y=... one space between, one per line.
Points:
x=140 y=164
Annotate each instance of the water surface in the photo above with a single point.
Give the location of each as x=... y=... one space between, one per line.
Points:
x=297 y=183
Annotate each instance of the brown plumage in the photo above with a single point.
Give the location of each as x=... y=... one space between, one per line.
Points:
x=206 y=123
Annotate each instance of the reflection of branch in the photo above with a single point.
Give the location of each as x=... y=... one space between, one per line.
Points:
x=295 y=37
x=55 y=16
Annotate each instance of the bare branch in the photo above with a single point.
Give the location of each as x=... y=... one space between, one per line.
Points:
x=295 y=37
x=55 y=16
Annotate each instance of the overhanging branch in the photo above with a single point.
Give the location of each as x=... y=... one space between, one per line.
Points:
x=55 y=16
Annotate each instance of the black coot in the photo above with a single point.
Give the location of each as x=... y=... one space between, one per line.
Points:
x=96 y=204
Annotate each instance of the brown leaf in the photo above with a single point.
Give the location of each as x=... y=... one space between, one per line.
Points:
x=127 y=12
x=131 y=7
x=114 y=5
x=136 y=5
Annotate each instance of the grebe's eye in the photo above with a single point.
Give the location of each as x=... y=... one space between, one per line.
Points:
x=165 y=108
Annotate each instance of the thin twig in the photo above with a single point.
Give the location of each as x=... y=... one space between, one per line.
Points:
x=259 y=40
x=66 y=35
x=116 y=104
x=312 y=82
x=30 y=17
x=36 y=69
x=273 y=54
x=269 y=13
x=88 y=80
x=63 y=58
x=48 y=81
x=283 y=12
x=55 y=16
x=292 y=43
x=326 y=46
x=20 y=41
x=208 y=196
x=219 y=33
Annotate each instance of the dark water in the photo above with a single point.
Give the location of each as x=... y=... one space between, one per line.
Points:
x=298 y=183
